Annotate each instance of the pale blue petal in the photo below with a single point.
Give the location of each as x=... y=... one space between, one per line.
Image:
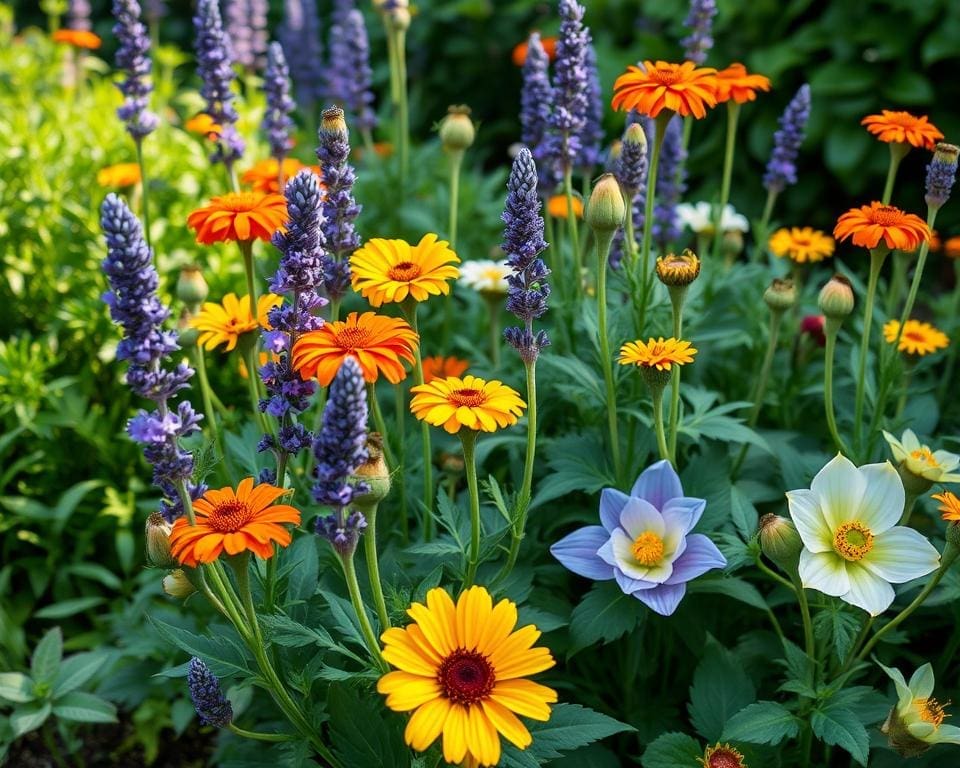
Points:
x=658 y=484
x=578 y=553
x=628 y=585
x=662 y=599
x=612 y=502
x=684 y=512
x=639 y=516
x=700 y=556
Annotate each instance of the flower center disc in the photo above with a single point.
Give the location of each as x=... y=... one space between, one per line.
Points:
x=648 y=548
x=471 y=398
x=404 y=272
x=241 y=203
x=925 y=455
x=886 y=215
x=230 y=516
x=666 y=76
x=853 y=540
x=466 y=677
x=352 y=338
x=930 y=711
x=724 y=757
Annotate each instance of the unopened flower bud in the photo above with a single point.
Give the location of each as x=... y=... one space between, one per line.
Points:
x=177 y=585
x=836 y=298
x=333 y=125
x=674 y=270
x=613 y=156
x=952 y=550
x=157 y=536
x=187 y=335
x=400 y=18
x=606 y=207
x=780 y=542
x=900 y=739
x=192 y=289
x=732 y=244
x=374 y=473
x=457 y=131
x=781 y=295
x=636 y=136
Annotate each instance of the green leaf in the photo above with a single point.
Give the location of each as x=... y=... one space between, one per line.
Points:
x=46 y=657
x=743 y=514
x=16 y=687
x=222 y=656
x=720 y=689
x=66 y=608
x=84 y=708
x=361 y=735
x=765 y=722
x=605 y=613
x=577 y=464
x=77 y=670
x=571 y=726
x=282 y=630
x=733 y=587
x=672 y=750
x=304 y=568
x=26 y=719
x=839 y=726
x=836 y=627
x=96 y=572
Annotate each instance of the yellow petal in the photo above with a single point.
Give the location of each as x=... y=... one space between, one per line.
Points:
x=455 y=734
x=525 y=698
x=483 y=741
x=426 y=724
x=405 y=691
x=507 y=723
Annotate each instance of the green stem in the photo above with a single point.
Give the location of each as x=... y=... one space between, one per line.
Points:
x=808 y=644
x=409 y=310
x=954 y=313
x=910 y=499
x=373 y=566
x=733 y=113
x=572 y=226
x=379 y=423
x=246 y=250
x=917 y=276
x=897 y=282
x=898 y=151
x=468 y=438
x=604 y=239
x=252 y=368
x=677 y=295
x=762 y=566
x=829 y=354
x=353 y=587
x=659 y=132
x=401 y=428
x=145 y=194
x=368 y=146
x=206 y=394
x=760 y=243
x=493 y=304
x=775 y=320
x=456 y=161
x=403 y=106
x=657 y=395
x=877 y=257
x=260 y=736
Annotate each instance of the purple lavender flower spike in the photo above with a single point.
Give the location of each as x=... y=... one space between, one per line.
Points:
x=941 y=175
x=782 y=168
x=214 y=60
x=78 y=15
x=133 y=57
x=591 y=137
x=536 y=97
x=349 y=77
x=259 y=35
x=154 y=10
x=135 y=306
x=522 y=242
x=699 y=21
x=340 y=449
x=569 y=114
x=277 y=122
x=300 y=36
x=340 y=210
x=644 y=541
x=671 y=182
x=631 y=171
x=207 y=695
x=236 y=15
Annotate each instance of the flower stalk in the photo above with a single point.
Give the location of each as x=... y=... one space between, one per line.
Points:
x=877 y=256
x=603 y=240
x=733 y=114
x=409 y=309
x=660 y=131
x=468 y=438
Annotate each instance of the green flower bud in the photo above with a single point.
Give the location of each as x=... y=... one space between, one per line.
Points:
x=157 y=537
x=606 y=207
x=781 y=295
x=780 y=542
x=836 y=298
x=176 y=584
x=375 y=473
x=732 y=244
x=192 y=289
x=457 y=131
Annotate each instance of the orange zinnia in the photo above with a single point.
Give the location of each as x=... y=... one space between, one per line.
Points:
x=682 y=88
x=233 y=521
x=951 y=248
x=520 y=50
x=263 y=176
x=735 y=84
x=204 y=124
x=378 y=343
x=440 y=367
x=557 y=206
x=240 y=216
x=78 y=38
x=868 y=225
x=903 y=128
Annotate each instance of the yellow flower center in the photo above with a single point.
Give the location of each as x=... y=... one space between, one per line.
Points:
x=404 y=272
x=931 y=711
x=230 y=516
x=471 y=398
x=886 y=215
x=648 y=548
x=466 y=677
x=493 y=274
x=853 y=540
x=352 y=338
x=924 y=454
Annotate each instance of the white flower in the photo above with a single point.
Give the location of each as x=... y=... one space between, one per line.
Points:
x=485 y=275
x=935 y=466
x=918 y=712
x=699 y=218
x=852 y=547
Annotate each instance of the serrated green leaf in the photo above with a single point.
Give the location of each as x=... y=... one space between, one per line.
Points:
x=46 y=657
x=222 y=656
x=16 y=687
x=720 y=689
x=733 y=587
x=26 y=719
x=302 y=563
x=361 y=735
x=77 y=670
x=571 y=726
x=836 y=627
x=672 y=750
x=765 y=722
x=605 y=613
x=84 y=707
x=839 y=726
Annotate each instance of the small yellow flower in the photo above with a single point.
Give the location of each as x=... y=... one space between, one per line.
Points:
x=949 y=505
x=225 y=323
x=801 y=244
x=660 y=353
x=917 y=338
x=469 y=402
x=204 y=125
x=119 y=175
x=386 y=271
x=919 y=460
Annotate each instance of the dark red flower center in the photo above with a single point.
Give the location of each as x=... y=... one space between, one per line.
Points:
x=230 y=516
x=467 y=677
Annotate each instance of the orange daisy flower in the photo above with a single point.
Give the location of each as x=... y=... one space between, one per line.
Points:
x=78 y=38
x=225 y=323
x=440 y=367
x=239 y=216
x=557 y=206
x=119 y=175
x=917 y=338
x=660 y=353
x=949 y=505
x=203 y=124
x=869 y=225
x=234 y=522
x=903 y=128
x=263 y=176
x=519 y=55
x=682 y=88
x=379 y=343
x=736 y=84
x=387 y=271
x=951 y=248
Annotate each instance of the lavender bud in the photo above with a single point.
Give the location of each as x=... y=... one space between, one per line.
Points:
x=208 y=699
x=941 y=174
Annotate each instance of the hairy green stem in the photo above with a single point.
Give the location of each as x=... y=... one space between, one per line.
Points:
x=456 y=161
x=572 y=226
x=898 y=151
x=409 y=309
x=733 y=113
x=353 y=587
x=760 y=241
x=468 y=438
x=401 y=425
x=373 y=566
x=656 y=394
x=677 y=295
x=145 y=195
x=246 y=250
x=954 y=314
x=829 y=354
x=260 y=736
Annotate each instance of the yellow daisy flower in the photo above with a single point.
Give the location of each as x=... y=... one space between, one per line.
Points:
x=225 y=323
x=660 y=353
x=801 y=244
x=469 y=402
x=460 y=670
x=386 y=271
x=917 y=338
